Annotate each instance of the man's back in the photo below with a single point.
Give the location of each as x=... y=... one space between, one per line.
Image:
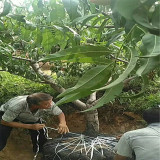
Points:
x=144 y=142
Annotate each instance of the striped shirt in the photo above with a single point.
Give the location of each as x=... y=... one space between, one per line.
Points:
x=17 y=108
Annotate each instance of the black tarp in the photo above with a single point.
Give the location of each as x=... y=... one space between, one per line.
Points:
x=79 y=147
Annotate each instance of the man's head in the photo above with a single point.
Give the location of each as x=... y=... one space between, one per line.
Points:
x=152 y=115
x=41 y=100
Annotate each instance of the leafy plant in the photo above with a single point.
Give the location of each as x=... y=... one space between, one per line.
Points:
x=119 y=41
x=12 y=85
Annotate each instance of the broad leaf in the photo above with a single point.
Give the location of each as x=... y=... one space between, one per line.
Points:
x=127 y=7
x=156 y=17
x=148 y=64
x=37 y=37
x=141 y=16
x=127 y=71
x=25 y=34
x=83 y=20
x=57 y=13
x=70 y=98
x=151 y=49
x=93 y=79
x=151 y=43
x=48 y=40
x=72 y=8
x=98 y=20
x=93 y=60
x=101 y=28
x=6 y=9
x=77 y=53
x=108 y=96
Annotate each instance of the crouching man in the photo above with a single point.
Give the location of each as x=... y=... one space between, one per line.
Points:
x=25 y=112
x=143 y=143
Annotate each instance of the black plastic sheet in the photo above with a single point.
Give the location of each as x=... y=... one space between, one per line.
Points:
x=79 y=147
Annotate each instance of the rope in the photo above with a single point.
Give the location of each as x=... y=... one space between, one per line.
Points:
x=57 y=130
x=35 y=156
x=99 y=140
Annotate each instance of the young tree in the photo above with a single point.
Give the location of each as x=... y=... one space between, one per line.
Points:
x=120 y=38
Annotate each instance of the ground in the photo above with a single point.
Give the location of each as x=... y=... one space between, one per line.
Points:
x=19 y=144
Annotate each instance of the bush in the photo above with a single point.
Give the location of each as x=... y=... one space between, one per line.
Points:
x=150 y=98
x=12 y=85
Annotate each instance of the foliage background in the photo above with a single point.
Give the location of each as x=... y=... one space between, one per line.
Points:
x=13 y=85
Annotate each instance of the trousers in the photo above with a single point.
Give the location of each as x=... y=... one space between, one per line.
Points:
x=38 y=137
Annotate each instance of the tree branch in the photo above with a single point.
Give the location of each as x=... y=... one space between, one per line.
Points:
x=118 y=59
x=20 y=58
x=108 y=26
x=48 y=79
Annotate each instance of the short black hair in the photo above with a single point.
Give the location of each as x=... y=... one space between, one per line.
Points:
x=152 y=115
x=37 y=98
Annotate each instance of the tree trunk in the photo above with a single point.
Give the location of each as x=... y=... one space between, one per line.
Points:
x=92 y=123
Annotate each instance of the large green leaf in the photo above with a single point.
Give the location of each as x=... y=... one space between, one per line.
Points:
x=151 y=44
x=25 y=34
x=93 y=60
x=83 y=20
x=148 y=64
x=48 y=40
x=127 y=7
x=127 y=71
x=93 y=79
x=98 y=20
x=142 y=17
x=37 y=36
x=57 y=13
x=6 y=9
x=108 y=96
x=156 y=17
x=78 y=52
x=101 y=28
x=151 y=49
x=72 y=8
x=73 y=97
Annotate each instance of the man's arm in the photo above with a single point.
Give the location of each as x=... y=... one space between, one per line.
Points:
x=62 y=128
x=22 y=125
x=119 y=157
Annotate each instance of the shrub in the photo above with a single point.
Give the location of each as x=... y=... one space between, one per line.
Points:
x=12 y=85
x=150 y=98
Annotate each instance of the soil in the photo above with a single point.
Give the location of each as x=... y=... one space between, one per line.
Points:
x=112 y=122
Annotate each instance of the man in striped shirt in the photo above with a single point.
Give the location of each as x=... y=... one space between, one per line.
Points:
x=26 y=112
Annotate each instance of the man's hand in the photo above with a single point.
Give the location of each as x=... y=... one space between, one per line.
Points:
x=63 y=128
x=37 y=126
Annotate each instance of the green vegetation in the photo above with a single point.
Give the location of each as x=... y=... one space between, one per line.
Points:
x=76 y=32
x=149 y=98
x=12 y=85
x=119 y=40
